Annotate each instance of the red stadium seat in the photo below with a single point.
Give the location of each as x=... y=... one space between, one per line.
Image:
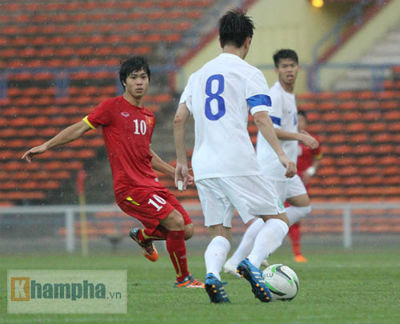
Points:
x=390 y=104
x=359 y=130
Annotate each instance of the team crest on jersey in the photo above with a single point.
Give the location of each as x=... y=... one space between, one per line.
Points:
x=125 y=114
x=149 y=121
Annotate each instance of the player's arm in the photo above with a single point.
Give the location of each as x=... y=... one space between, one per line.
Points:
x=304 y=137
x=181 y=170
x=67 y=135
x=160 y=165
x=265 y=126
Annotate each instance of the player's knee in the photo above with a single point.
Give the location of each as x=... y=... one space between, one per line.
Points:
x=189 y=230
x=174 y=221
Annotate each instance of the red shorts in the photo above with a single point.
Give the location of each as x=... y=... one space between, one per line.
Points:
x=149 y=205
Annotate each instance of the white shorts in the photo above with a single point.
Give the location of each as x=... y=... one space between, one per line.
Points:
x=288 y=188
x=251 y=196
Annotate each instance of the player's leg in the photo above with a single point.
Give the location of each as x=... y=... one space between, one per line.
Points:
x=269 y=238
x=299 y=208
x=189 y=231
x=247 y=242
x=295 y=237
x=267 y=241
x=175 y=243
x=160 y=233
x=218 y=249
x=143 y=237
x=161 y=220
x=215 y=256
x=244 y=248
x=218 y=213
x=145 y=242
x=255 y=196
x=188 y=225
x=297 y=197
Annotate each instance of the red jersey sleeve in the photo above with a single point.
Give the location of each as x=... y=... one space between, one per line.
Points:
x=100 y=116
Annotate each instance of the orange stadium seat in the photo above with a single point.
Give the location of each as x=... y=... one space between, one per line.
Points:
x=359 y=138
x=356 y=127
x=366 y=95
x=359 y=130
x=392 y=116
x=394 y=127
x=347 y=96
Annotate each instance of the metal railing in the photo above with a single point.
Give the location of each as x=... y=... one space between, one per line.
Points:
x=71 y=218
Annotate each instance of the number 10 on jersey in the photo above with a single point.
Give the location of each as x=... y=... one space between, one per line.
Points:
x=215 y=96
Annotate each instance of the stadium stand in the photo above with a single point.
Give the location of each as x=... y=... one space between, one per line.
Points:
x=359 y=132
x=58 y=60
x=384 y=53
x=359 y=129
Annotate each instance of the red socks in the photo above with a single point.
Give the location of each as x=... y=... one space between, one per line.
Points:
x=177 y=252
x=175 y=245
x=294 y=234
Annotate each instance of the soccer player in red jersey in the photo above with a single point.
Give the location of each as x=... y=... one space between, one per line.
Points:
x=127 y=130
x=307 y=164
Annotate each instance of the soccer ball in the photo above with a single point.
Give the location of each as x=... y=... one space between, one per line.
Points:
x=281 y=281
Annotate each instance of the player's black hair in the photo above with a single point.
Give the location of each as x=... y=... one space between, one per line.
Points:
x=235 y=27
x=285 y=54
x=302 y=113
x=133 y=64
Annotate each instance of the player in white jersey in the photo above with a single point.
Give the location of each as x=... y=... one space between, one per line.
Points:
x=284 y=118
x=220 y=96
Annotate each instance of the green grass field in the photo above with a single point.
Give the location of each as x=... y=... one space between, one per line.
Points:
x=358 y=286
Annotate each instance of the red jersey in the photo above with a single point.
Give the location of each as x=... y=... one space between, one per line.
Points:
x=306 y=155
x=127 y=132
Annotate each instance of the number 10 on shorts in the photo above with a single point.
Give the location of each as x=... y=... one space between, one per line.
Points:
x=157 y=202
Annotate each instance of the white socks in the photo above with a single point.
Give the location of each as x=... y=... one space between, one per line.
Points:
x=215 y=255
x=247 y=242
x=258 y=247
x=294 y=214
x=269 y=238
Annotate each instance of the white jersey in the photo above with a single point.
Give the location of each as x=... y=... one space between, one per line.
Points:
x=219 y=96
x=284 y=116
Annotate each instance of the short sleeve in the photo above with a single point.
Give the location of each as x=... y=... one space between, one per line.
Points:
x=100 y=116
x=276 y=108
x=257 y=93
x=186 y=96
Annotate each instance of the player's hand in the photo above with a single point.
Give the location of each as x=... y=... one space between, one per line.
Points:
x=190 y=181
x=33 y=151
x=290 y=166
x=182 y=176
x=308 y=140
